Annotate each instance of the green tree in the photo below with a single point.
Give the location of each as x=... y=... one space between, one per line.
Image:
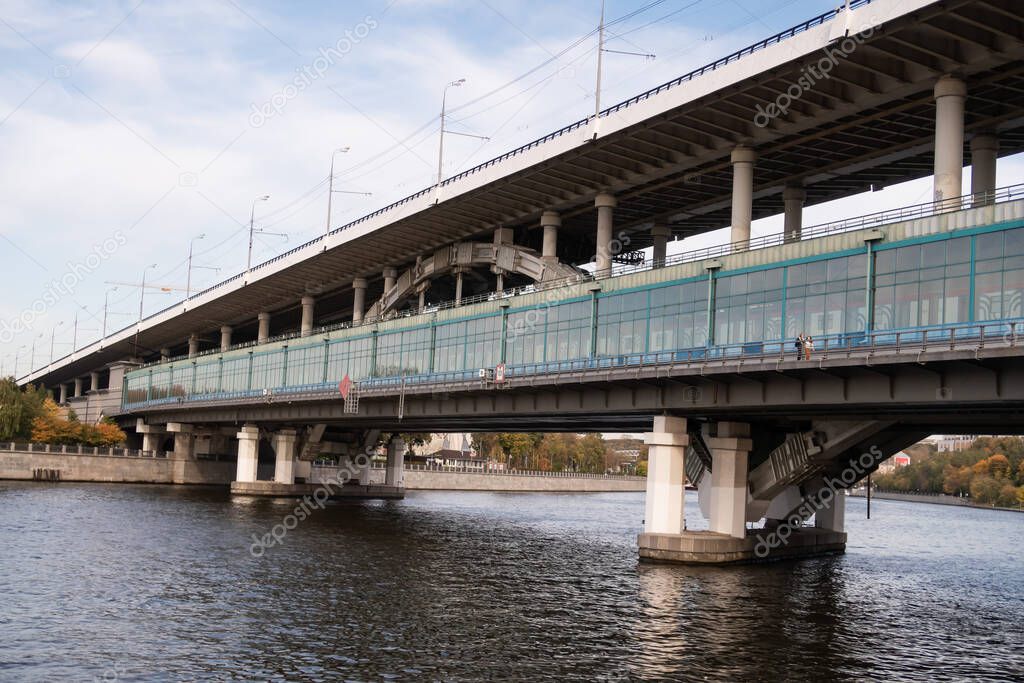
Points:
x=518 y=446
x=592 y=453
x=12 y=407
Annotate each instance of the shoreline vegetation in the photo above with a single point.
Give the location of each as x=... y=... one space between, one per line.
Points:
x=988 y=474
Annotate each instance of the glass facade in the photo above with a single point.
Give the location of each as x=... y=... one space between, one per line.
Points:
x=933 y=281
x=748 y=307
x=923 y=284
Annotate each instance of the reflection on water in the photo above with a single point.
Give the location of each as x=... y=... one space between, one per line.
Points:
x=157 y=583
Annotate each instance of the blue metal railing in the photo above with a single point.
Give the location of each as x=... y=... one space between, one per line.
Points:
x=974 y=336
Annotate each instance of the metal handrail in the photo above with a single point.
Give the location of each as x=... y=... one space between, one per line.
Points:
x=869 y=220
x=938 y=338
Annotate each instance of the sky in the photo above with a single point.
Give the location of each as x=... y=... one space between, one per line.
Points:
x=130 y=128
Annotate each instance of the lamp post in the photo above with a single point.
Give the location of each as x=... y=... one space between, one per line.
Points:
x=252 y=222
x=53 y=331
x=440 y=149
x=17 y=353
x=330 y=187
x=32 y=354
x=188 y=276
x=106 y=299
x=142 y=289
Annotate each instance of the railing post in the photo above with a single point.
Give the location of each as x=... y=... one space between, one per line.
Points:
x=924 y=341
x=981 y=341
x=1013 y=334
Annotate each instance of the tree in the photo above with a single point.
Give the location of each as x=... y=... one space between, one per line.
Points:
x=956 y=481
x=106 y=433
x=985 y=490
x=996 y=466
x=1007 y=496
x=486 y=444
x=518 y=447
x=49 y=427
x=12 y=407
x=18 y=409
x=592 y=453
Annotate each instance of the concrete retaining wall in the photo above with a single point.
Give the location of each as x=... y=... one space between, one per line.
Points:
x=116 y=469
x=935 y=499
x=472 y=481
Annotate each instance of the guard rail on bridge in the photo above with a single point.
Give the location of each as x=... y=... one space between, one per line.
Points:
x=867 y=348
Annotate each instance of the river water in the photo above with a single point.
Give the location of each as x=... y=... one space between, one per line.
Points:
x=127 y=583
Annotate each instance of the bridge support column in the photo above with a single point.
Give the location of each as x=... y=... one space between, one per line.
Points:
x=729 y=453
x=248 y=453
x=660 y=234
x=666 y=476
x=984 y=151
x=395 y=473
x=743 y=159
x=459 y=271
x=832 y=517
x=950 y=94
x=165 y=354
x=263 y=332
x=94 y=380
x=193 y=345
x=225 y=337
x=605 y=204
x=151 y=436
x=63 y=394
x=284 y=443
x=78 y=387
x=184 y=440
x=358 y=300
x=390 y=278
x=793 y=196
x=550 y=221
x=306 y=327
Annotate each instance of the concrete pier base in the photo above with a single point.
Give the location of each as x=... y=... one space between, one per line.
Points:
x=707 y=547
x=275 y=489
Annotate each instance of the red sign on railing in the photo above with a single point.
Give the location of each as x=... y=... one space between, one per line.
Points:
x=345 y=386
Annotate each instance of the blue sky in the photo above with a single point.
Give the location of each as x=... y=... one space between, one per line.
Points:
x=129 y=128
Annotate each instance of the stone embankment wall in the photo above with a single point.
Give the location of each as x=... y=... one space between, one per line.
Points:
x=121 y=469
x=439 y=480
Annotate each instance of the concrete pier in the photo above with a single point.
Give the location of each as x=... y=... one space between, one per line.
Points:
x=706 y=547
x=273 y=489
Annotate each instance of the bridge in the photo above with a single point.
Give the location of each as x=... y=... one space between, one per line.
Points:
x=536 y=291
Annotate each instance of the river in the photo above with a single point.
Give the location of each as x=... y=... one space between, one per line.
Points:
x=132 y=583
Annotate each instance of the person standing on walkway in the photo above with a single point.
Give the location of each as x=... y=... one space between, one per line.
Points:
x=808 y=347
x=800 y=346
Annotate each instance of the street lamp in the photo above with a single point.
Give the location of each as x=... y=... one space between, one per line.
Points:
x=440 y=149
x=252 y=221
x=142 y=289
x=331 y=192
x=53 y=331
x=32 y=356
x=106 y=299
x=188 y=276
x=17 y=352
x=330 y=186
